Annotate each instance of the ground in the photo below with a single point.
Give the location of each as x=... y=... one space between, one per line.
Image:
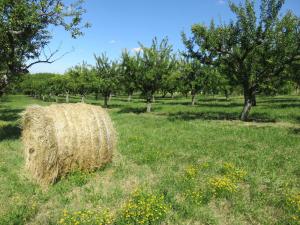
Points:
x=193 y=165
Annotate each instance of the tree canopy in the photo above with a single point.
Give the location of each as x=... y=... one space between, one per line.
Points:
x=24 y=33
x=252 y=49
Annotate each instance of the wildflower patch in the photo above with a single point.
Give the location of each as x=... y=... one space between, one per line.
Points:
x=143 y=208
x=222 y=186
x=86 y=217
x=293 y=203
x=233 y=172
x=195 y=196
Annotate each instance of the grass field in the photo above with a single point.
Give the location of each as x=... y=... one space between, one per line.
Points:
x=177 y=165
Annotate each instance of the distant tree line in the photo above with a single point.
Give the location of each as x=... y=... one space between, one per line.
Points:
x=257 y=53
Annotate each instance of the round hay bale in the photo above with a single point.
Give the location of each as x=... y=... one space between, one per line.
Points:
x=61 y=138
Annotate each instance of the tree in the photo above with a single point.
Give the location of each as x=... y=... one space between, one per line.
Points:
x=191 y=72
x=155 y=61
x=254 y=49
x=199 y=78
x=171 y=81
x=24 y=33
x=108 y=75
x=294 y=72
x=130 y=69
x=81 y=78
x=55 y=86
x=66 y=86
x=37 y=85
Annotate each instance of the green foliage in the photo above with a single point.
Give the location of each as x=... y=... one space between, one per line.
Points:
x=81 y=79
x=252 y=50
x=37 y=84
x=108 y=75
x=130 y=65
x=155 y=61
x=24 y=33
x=171 y=81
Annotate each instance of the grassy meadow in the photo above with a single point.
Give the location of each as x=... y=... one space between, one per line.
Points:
x=180 y=164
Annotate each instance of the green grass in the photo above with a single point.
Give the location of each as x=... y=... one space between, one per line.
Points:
x=176 y=152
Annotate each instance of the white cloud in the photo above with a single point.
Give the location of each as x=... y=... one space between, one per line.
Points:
x=112 y=42
x=221 y=2
x=138 y=49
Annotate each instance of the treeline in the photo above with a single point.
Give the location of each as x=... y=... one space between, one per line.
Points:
x=255 y=53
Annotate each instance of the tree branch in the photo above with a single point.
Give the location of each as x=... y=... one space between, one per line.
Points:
x=50 y=58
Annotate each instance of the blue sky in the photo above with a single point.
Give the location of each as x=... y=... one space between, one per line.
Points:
x=120 y=24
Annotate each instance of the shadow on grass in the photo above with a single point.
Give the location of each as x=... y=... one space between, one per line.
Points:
x=208 y=103
x=275 y=100
x=138 y=110
x=256 y=117
x=286 y=106
x=110 y=106
x=10 y=131
x=297 y=118
x=10 y=114
x=295 y=131
x=132 y=110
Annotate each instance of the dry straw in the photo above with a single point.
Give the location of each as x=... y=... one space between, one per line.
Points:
x=62 y=138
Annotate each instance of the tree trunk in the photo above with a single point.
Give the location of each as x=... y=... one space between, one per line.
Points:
x=106 y=98
x=153 y=98
x=193 y=99
x=253 y=99
x=82 y=98
x=67 y=97
x=109 y=98
x=2 y=89
x=248 y=98
x=172 y=95
x=129 y=97
x=43 y=98
x=246 y=110
x=226 y=95
x=148 y=106
x=56 y=98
